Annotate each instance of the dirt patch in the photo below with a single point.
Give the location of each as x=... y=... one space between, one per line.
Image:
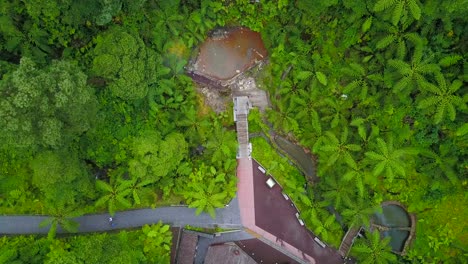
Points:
x=214 y=98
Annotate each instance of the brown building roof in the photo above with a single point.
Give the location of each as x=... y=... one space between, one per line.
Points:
x=263 y=253
x=187 y=248
x=176 y=232
x=277 y=216
x=228 y=253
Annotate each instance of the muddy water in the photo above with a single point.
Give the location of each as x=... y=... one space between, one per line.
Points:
x=229 y=52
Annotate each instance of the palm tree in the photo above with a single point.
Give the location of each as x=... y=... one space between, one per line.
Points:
x=388 y=160
x=444 y=100
x=374 y=250
x=60 y=215
x=115 y=194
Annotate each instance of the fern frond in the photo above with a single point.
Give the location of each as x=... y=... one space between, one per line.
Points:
x=359 y=69
x=344 y=135
x=401 y=50
x=451 y=111
x=441 y=82
x=351 y=86
x=350 y=160
x=381 y=5
x=440 y=112
x=429 y=68
x=397 y=13
x=104 y=186
x=316 y=122
x=383 y=146
x=401 y=66
x=374 y=156
x=450 y=60
x=428 y=102
x=455 y=86
x=384 y=42
x=401 y=84
x=366 y=25
x=379 y=168
x=415 y=10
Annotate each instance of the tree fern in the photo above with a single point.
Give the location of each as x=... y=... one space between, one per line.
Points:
x=444 y=101
x=374 y=250
x=399 y=7
x=387 y=160
x=399 y=42
x=412 y=74
x=338 y=150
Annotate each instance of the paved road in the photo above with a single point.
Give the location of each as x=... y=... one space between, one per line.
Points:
x=228 y=217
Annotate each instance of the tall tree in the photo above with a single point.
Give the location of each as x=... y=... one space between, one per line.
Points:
x=154 y=157
x=45 y=107
x=61 y=178
x=123 y=60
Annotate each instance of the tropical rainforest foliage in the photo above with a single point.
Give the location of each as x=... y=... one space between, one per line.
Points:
x=96 y=112
x=151 y=244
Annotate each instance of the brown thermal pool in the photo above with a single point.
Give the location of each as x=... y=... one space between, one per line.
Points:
x=228 y=52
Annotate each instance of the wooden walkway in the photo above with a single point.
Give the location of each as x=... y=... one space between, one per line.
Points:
x=241 y=110
x=348 y=241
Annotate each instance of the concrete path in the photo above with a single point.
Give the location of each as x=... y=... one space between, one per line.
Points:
x=228 y=217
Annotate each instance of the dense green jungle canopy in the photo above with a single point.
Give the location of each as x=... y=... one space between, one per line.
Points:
x=97 y=114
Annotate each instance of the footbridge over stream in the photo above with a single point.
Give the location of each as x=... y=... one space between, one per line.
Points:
x=242 y=106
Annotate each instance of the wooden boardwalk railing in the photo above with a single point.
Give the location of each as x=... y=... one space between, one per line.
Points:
x=241 y=111
x=348 y=241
